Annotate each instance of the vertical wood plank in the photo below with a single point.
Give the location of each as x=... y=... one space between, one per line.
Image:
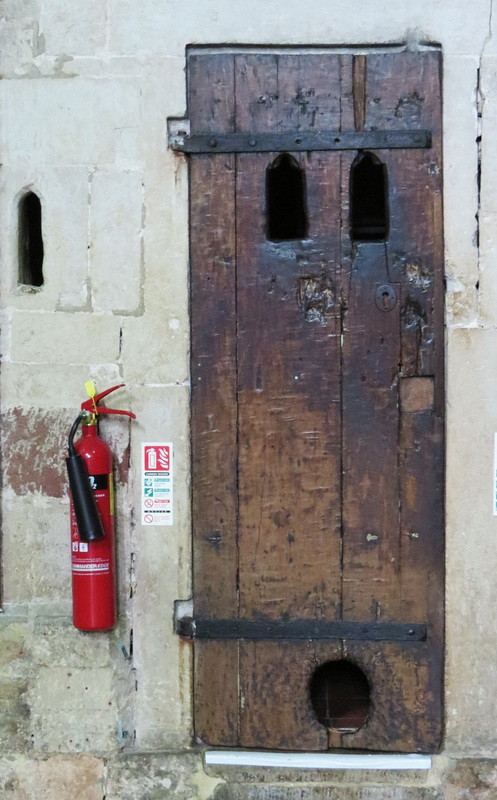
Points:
x=276 y=708
x=421 y=472
x=213 y=357
x=211 y=89
x=213 y=384
x=406 y=701
x=289 y=407
x=371 y=355
x=216 y=693
x=407 y=87
x=288 y=392
x=214 y=415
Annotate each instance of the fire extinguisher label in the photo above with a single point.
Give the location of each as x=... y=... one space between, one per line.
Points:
x=99 y=482
x=157 y=483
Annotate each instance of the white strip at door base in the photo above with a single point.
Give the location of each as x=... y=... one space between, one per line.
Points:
x=330 y=761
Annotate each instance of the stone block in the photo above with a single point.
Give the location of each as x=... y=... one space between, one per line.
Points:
x=155 y=350
x=63 y=34
x=59 y=778
x=64 y=338
x=14 y=713
x=13 y=636
x=74 y=732
x=153 y=777
x=166 y=234
x=54 y=386
x=460 y=188
x=101 y=109
x=73 y=710
x=115 y=247
x=471 y=556
x=63 y=194
x=76 y=690
x=20 y=40
x=278 y=792
x=36 y=553
x=56 y=643
x=472 y=779
x=488 y=210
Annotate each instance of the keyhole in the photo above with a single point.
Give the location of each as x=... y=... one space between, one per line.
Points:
x=385 y=297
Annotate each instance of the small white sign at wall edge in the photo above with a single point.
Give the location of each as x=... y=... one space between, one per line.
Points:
x=157 y=483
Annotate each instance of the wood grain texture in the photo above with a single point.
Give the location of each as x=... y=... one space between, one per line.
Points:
x=214 y=413
x=216 y=709
x=274 y=684
x=370 y=418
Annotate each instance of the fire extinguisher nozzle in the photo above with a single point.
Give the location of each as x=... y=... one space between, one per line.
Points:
x=88 y=519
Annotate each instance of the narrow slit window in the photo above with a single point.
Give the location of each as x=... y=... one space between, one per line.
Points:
x=285 y=200
x=30 y=241
x=369 y=218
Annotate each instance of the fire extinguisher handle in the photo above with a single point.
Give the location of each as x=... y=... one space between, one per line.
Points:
x=105 y=410
x=92 y=407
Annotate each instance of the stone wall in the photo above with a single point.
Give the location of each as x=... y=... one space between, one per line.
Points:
x=84 y=98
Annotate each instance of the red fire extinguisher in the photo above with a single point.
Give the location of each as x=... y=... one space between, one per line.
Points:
x=89 y=467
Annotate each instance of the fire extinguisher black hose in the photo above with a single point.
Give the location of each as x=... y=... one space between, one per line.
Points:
x=72 y=434
x=90 y=526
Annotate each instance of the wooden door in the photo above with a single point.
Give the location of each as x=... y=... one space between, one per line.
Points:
x=317 y=398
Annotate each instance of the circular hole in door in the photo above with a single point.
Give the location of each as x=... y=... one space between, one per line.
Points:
x=340 y=695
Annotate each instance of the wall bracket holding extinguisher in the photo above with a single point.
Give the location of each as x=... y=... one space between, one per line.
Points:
x=89 y=467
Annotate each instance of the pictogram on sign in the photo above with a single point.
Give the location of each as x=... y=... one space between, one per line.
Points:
x=157 y=483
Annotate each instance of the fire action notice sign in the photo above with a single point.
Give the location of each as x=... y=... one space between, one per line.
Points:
x=157 y=483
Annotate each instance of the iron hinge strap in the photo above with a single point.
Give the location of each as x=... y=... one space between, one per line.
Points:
x=183 y=142
x=205 y=628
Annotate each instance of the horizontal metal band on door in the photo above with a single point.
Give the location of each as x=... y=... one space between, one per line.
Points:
x=205 y=628
x=283 y=142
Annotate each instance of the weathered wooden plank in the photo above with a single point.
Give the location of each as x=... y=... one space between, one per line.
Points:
x=288 y=420
x=211 y=92
x=213 y=375
x=276 y=711
x=371 y=355
x=256 y=77
x=289 y=478
x=216 y=693
x=403 y=90
x=359 y=72
x=312 y=95
x=406 y=88
x=406 y=698
x=422 y=519
x=214 y=420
